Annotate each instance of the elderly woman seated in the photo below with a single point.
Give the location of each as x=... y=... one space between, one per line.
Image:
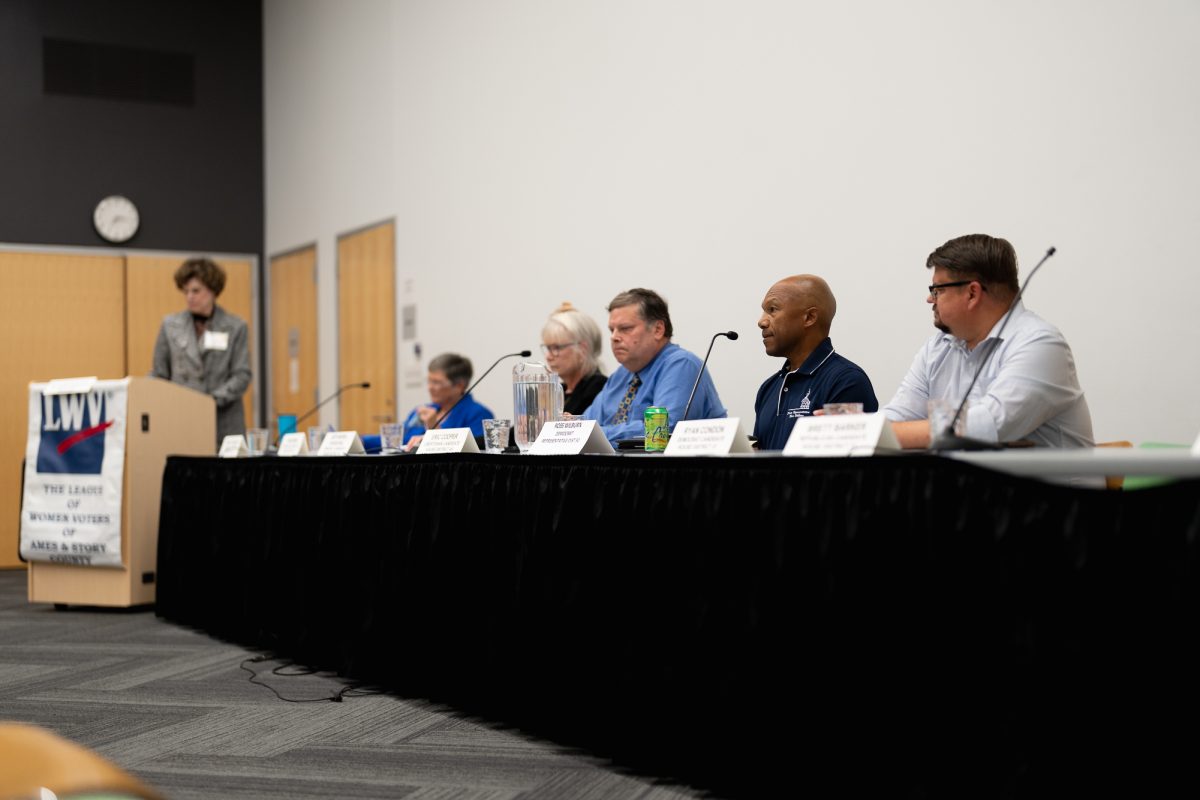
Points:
x=450 y=406
x=571 y=341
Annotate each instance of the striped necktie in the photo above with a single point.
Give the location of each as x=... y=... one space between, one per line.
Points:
x=622 y=414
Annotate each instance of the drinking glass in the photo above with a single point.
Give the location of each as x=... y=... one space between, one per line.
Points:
x=940 y=412
x=315 y=435
x=495 y=434
x=256 y=441
x=843 y=408
x=391 y=437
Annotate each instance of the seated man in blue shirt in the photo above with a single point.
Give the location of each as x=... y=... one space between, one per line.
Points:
x=1028 y=390
x=653 y=370
x=797 y=314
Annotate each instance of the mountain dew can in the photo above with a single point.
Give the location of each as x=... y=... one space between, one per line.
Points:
x=658 y=429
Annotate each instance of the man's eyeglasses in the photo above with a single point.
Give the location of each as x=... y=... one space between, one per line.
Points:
x=937 y=287
x=555 y=349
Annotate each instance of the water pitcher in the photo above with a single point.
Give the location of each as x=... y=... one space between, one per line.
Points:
x=537 y=399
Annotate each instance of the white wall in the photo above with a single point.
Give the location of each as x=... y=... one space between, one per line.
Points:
x=533 y=151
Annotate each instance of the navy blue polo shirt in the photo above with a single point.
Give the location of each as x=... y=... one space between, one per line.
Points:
x=824 y=377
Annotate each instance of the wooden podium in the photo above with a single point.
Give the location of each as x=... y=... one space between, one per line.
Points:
x=162 y=418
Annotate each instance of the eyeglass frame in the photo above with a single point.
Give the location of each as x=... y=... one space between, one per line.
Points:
x=555 y=349
x=934 y=288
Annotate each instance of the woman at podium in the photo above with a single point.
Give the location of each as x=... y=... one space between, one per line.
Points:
x=206 y=348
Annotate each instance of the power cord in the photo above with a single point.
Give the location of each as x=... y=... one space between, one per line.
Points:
x=337 y=697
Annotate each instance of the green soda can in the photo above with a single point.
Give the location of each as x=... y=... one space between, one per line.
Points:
x=658 y=429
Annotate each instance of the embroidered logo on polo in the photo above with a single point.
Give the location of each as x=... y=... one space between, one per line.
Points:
x=73 y=427
x=806 y=403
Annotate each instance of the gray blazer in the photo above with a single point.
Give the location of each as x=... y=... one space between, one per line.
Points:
x=224 y=374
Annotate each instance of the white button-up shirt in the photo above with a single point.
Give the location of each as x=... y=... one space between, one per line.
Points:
x=1027 y=390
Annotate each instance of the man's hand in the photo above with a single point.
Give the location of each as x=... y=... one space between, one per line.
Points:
x=913 y=435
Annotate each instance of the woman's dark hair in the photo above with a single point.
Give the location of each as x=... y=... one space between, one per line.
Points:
x=205 y=269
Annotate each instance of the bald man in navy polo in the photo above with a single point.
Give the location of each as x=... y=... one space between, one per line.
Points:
x=797 y=315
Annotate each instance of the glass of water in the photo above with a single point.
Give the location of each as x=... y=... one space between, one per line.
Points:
x=941 y=412
x=495 y=434
x=315 y=435
x=391 y=437
x=256 y=441
x=843 y=408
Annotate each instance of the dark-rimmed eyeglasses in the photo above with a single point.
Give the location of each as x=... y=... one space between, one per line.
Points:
x=555 y=349
x=937 y=287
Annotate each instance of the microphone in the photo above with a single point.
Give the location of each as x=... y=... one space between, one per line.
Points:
x=731 y=336
x=949 y=440
x=309 y=413
x=441 y=417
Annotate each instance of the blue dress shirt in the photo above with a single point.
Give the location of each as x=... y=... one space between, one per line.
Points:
x=1028 y=389
x=824 y=377
x=467 y=414
x=666 y=381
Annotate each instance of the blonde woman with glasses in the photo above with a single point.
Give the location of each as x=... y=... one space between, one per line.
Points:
x=571 y=343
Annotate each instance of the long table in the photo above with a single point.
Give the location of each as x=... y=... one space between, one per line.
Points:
x=912 y=625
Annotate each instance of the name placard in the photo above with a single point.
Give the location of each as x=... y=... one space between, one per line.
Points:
x=569 y=437
x=841 y=435
x=708 y=437
x=70 y=385
x=233 y=446
x=293 y=444
x=447 y=440
x=341 y=443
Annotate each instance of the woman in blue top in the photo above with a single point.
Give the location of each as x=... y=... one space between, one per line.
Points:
x=449 y=376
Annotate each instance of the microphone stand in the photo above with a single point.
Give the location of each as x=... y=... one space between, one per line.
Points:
x=309 y=413
x=949 y=440
x=441 y=417
x=732 y=336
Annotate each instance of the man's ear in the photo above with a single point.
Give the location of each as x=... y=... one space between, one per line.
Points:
x=974 y=294
x=659 y=328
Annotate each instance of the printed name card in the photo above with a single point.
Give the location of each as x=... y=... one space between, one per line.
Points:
x=233 y=446
x=70 y=385
x=569 y=437
x=448 y=440
x=341 y=443
x=841 y=435
x=293 y=444
x=708 y=437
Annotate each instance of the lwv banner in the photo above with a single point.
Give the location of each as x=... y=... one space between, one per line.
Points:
x=74 y=470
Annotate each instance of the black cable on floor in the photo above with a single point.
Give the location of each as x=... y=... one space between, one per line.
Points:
x=335 y=698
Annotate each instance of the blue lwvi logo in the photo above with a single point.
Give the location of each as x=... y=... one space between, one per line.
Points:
x=73 y=433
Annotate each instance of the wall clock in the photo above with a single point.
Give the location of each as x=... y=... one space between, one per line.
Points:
x=116 y=218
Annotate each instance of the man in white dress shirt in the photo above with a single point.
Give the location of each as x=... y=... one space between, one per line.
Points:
x=1028 y=390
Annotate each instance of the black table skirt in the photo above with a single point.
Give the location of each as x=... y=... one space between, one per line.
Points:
x=912 y=625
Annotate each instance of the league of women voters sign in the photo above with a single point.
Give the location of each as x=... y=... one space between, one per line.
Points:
x=74 y=471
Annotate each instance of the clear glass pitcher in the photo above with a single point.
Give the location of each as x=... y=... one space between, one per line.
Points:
x=537 y=399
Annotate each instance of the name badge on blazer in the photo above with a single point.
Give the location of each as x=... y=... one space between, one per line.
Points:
x=214 y=340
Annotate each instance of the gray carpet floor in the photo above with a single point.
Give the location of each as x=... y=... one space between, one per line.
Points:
x=176 y=708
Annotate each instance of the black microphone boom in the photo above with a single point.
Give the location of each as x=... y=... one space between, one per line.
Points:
x=949 y=440
x=441 y=417
x=309 y=413
x=732 y=336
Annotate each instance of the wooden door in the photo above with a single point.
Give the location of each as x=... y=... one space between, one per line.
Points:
x=367 y=327
x=64 y=316
x=152 y=295
x=293 y=340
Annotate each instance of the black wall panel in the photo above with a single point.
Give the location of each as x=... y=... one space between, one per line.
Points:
x=159 y=101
